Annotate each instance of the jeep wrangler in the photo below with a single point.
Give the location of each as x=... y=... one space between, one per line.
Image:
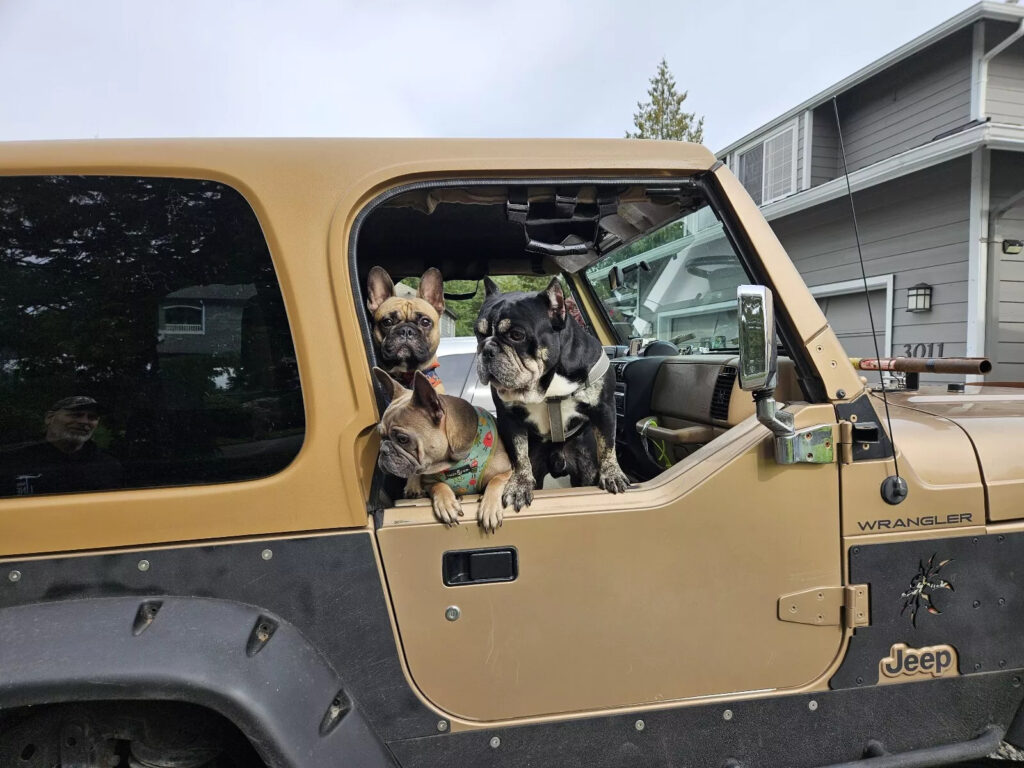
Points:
x=201 y=565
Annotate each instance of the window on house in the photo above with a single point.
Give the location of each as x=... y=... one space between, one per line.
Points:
x=183 y=318
x=768 y=169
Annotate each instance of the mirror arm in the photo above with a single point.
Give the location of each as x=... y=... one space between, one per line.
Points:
x=780 y=422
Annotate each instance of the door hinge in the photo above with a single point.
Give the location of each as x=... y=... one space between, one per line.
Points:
x=845 y=442
x=812 y=445
x=827 y=606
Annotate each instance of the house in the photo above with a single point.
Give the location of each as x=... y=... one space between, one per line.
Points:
x=203 y=320
x=934 y=139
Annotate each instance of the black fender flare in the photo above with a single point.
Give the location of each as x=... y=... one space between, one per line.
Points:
x=250 y=666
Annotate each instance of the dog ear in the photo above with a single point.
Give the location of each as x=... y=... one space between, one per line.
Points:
x=555 y=300
x=379 y=288
x=432 y=289
x=425 y=396
x=490 y=287
x=391 y=387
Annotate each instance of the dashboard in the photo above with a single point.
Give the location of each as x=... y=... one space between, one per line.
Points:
x=691 y=399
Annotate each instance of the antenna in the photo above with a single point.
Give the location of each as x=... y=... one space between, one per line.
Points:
x=894 y=488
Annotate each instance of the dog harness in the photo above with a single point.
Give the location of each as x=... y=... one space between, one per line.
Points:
x=557 y=415
x=465 y=477
x=405 y=377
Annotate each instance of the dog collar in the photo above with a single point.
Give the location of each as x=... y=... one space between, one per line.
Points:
x=405 y=377
x=465 y=477
x=556 y=405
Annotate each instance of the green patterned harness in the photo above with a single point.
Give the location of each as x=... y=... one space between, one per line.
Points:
x=464 y=477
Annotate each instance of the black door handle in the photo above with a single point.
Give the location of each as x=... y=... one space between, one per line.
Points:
x=479 y=566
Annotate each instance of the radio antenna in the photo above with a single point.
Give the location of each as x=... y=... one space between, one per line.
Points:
x=894 y=489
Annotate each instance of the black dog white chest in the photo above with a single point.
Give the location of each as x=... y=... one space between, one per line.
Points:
x=554 y=414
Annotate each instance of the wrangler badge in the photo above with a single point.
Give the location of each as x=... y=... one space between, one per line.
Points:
x=905 y=664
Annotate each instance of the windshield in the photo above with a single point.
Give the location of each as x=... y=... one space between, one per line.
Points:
x=675 y=284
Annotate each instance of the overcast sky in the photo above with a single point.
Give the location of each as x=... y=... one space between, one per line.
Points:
x=141 y=68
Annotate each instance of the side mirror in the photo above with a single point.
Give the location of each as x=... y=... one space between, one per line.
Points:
x=756 y=319
x=758 y=357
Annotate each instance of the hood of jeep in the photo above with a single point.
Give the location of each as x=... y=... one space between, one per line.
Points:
x=993 y=418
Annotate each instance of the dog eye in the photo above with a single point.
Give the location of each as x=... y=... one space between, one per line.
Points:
x=400 y=438
x=387 y=322
x=426 y=322
x=517 y=334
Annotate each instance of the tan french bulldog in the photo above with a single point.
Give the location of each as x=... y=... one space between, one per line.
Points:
x=451 y=446
x=407 y=330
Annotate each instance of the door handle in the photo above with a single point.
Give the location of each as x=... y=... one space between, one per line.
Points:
x=479 y=566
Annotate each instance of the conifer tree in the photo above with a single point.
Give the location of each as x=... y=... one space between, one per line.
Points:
x=663 y=117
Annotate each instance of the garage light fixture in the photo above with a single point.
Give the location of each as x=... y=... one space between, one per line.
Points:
x=1013 y=247
x=919 y=298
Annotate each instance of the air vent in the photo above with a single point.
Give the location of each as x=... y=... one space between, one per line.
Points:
x=723 y=391
x=619 y=370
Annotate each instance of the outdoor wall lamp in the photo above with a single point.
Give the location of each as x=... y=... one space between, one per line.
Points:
x=1013 y=246
x=919 y=298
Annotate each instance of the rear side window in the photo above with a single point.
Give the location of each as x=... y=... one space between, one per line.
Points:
x=143 y=338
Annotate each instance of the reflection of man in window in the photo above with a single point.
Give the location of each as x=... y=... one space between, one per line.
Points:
x=67 y=460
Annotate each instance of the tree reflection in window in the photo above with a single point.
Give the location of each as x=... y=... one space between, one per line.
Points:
x=158 y=298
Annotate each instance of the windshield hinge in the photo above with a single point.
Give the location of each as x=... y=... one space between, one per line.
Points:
x=811 y=445
x=827 y=606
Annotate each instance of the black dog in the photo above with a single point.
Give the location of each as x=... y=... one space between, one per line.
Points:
x=553 y=389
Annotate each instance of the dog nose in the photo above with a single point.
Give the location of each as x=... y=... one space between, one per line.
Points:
x=407 y=332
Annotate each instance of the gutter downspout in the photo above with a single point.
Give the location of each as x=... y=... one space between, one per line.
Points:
x=982 y=83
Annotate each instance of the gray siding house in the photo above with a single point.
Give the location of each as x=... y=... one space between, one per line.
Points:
x=934 y=137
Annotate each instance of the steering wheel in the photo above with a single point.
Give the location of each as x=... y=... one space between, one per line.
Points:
x=659 y=348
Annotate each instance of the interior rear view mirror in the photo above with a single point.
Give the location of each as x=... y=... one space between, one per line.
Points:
x=615 y=278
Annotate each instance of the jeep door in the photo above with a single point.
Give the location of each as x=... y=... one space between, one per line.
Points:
x=669 y=591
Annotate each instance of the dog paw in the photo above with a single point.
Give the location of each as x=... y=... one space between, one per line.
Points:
x=447 y=507
x=489 y=513
x=612 y=479
x=414 y=488
x=519 y=491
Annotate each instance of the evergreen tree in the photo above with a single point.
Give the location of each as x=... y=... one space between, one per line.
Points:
x=663 y=117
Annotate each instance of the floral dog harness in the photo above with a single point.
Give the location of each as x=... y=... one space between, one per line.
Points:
x=465 y=476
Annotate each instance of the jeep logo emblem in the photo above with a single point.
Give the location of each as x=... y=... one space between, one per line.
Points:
x=904 y=664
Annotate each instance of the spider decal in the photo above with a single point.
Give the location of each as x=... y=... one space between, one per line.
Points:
x=927 y=578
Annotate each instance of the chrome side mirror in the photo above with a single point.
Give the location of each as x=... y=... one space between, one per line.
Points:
x=756 y=318
x=758 y=366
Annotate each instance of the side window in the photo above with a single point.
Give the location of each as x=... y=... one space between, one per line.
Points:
x=143 y=337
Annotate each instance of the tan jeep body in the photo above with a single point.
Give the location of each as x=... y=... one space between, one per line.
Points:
x=730 y=608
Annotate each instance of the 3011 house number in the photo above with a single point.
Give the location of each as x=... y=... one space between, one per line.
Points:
x=924 y=350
